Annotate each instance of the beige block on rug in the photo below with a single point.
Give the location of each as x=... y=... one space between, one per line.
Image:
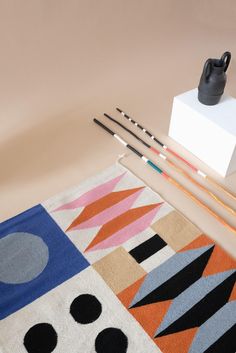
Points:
x=119 y=270
x=176 y=230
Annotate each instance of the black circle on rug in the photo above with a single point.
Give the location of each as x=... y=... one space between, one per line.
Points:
x=85 y=308
x=111 y=340
x=41 y=338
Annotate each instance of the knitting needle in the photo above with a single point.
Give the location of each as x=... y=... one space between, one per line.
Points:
x=194 y=169
x=166 y=176
x=173 y=165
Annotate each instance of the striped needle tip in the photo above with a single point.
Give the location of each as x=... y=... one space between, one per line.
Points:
x=175 y=166
x=176 y=155
x=165 y=175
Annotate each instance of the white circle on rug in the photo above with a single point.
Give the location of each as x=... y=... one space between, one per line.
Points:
x=23 y=256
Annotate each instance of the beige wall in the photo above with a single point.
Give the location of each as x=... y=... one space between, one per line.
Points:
x=64 y=61
x=62 y=55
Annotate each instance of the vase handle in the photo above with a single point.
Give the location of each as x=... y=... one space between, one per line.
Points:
x=226 y=57
x=207 y=69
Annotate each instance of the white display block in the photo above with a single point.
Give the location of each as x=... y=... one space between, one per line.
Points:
x=209 y=132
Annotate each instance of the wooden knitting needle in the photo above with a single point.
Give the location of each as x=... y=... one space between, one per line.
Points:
x=190 y=165
x=166 y=176
x=175 y=166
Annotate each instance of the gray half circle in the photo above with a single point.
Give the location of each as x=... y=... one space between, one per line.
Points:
x=23 y=256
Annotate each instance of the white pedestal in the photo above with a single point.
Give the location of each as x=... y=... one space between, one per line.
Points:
x=209 y=132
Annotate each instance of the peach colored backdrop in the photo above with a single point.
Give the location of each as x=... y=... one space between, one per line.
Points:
x=64 y=61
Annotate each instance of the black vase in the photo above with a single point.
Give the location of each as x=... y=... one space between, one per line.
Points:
x=213 y=79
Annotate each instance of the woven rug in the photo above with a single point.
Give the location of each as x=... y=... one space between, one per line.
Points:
x=110 y=267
